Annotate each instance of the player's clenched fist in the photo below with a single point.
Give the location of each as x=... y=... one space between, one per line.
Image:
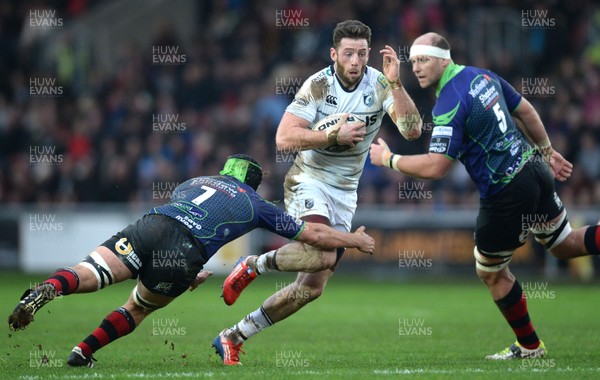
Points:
x=380 y=153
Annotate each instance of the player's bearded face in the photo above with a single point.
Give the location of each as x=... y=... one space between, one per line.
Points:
x=428 y=70
x=350 y=60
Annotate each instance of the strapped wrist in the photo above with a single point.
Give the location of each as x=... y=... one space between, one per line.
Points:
x=391 y=160
x=545 y=147
x=395 y=84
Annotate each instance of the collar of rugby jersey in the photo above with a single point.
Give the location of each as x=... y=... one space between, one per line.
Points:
x=448 y=74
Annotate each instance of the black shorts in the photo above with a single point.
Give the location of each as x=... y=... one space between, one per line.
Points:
x=504 y=218
x=161 y=251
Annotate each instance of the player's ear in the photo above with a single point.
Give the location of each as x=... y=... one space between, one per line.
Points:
x=333 y=54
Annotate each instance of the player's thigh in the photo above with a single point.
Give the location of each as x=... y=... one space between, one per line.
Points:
x=119 y=270
x=171 y=259
x=552 y=228
x=504 y=219
x=154 y=298
x=306 y=196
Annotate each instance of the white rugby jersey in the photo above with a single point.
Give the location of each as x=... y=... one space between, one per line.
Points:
x=322 y=95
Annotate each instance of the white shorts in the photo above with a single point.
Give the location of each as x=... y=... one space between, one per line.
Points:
x=308 y=196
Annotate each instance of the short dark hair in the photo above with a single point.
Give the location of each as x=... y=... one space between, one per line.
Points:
x=353 y=29
x=441 y=42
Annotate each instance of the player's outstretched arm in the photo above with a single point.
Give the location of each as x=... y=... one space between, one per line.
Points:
x=403 y=112
x=427 y=166
x=324 y=237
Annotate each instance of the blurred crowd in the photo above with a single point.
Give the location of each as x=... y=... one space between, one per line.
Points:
x=132 y=132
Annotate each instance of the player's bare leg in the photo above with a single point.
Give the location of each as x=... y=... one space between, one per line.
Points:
x=117 y=324
x=99 y=269
x=292 y=257
x=582 y=241
x=307 y=288
x=282 y=304
x=508 y=296
x=296 y=256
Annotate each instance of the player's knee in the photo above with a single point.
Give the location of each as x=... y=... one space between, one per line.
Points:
x=328 y=260
x=142 y=302
x=307 y=293
x=316 y=260
x=313 y=293
x=491 y=267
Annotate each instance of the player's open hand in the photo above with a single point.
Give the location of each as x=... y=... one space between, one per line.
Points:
x=350 y=134
x=391 y=64
x=379 y=153
x=561 y=168
x=200 y=278
x=366 y=242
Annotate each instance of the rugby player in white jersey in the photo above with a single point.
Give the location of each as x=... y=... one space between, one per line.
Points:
x=322 y=184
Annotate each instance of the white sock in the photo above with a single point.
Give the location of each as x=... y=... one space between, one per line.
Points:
x=253 y=323
x=265 y=262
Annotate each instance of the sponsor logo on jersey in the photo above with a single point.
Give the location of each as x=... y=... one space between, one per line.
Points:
x=301 y=101
x=479 y=86
x=321 y=76
x=309 y=203
x=370 y=119
x=330 y=99
x=557 y=200
x=163 y=287
x=123 y=247
x=523 y=236
x=489 y=97
x=381 y=79
x=441 y=131
x=368 y=99
x=188 y=222
x=439 y=144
